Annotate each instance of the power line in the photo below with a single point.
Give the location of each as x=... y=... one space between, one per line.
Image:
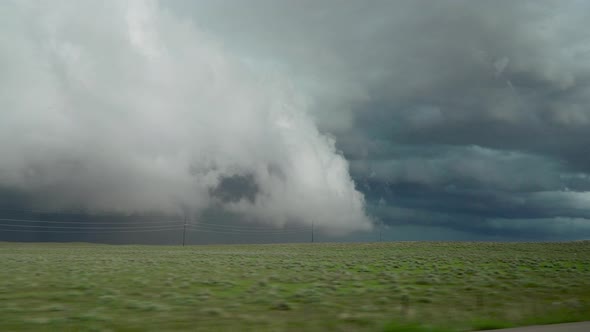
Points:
x=81 y=222
x=161 y=222
x=247 y=227
x=86 y=231
x=245 y=231
x=71 y=227
x=54 y=226
x=197 y=226
x=107 y=230
x=177 y=225
x=82 y=213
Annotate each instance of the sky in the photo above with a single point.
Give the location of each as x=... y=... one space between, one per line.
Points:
x=397 y=119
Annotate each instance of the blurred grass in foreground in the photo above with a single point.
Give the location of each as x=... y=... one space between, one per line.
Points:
x=405 y=286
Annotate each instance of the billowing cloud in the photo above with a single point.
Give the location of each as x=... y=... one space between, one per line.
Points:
x=455 y=114
x=124 y=106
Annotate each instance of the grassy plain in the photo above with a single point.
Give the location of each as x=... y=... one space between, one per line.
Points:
x=407 y=286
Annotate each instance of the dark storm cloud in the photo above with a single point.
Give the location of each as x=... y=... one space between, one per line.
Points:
x=469 y=116
x=481 y=210
x=235 y=188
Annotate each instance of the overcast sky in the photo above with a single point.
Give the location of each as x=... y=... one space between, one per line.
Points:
x=458 y=120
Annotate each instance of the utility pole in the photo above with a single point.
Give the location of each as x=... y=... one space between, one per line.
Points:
x=312 y=226
x=184 y=231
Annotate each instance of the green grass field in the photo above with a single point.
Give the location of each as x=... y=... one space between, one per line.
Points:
x=406 y=286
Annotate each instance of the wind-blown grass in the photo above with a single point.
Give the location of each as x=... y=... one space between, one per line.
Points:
x=406 y=286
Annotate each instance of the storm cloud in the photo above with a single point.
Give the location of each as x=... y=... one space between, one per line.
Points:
x=458 y=113
x=124 y=107
x=449 y=116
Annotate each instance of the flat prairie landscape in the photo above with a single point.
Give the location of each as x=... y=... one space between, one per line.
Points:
x=404 y=286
